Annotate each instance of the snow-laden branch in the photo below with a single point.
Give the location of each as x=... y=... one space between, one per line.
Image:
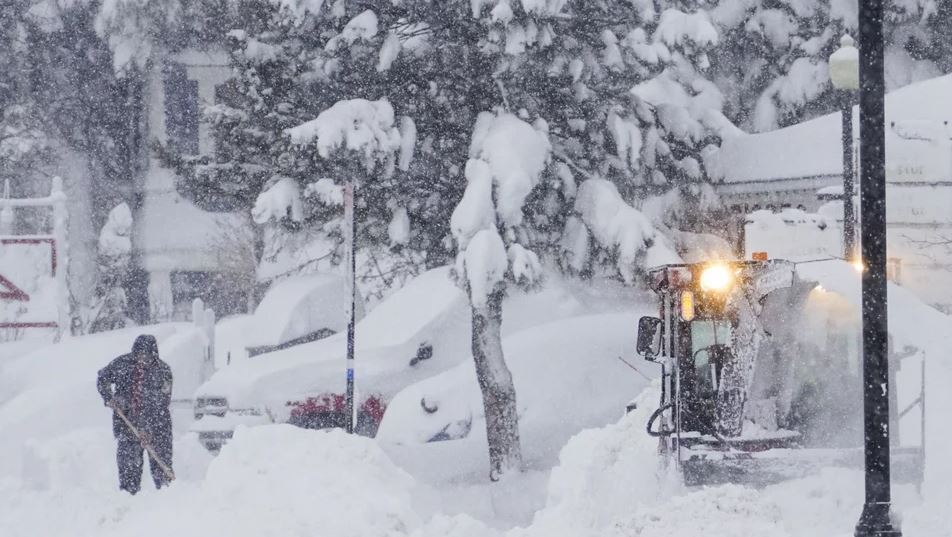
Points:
x=507 y=158
x=358 y=125
x=621 y=229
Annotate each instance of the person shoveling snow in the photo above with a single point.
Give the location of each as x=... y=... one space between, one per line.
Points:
x=138 y=388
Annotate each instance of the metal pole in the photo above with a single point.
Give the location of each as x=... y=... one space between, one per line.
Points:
x=874 y=520
x=351 y=223
x=849 y=218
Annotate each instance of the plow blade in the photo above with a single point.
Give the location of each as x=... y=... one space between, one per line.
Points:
x=776 y=465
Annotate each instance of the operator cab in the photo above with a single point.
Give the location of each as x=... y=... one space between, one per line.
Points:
x=705 y=340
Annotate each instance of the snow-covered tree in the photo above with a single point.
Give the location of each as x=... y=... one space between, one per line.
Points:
x=624 y=87
x=24 y=142
x=138 y=31
x=293 y=62
x=772 y=65
x=361 y=139
x=638 y=108
x=507 y=159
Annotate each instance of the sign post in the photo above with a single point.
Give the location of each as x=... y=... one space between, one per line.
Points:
x=350 y=223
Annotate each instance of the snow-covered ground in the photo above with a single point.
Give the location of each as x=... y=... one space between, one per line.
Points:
x=283 y=481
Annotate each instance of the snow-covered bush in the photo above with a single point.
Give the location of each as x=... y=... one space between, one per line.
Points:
x=108 y=309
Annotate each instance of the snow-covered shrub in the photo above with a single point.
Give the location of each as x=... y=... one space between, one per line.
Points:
x=108 y=309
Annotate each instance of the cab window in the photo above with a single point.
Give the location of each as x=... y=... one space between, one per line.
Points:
x=705 y=333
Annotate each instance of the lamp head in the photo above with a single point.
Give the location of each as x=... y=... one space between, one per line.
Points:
x=844 y=65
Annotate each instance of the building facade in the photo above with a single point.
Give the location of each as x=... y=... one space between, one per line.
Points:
x=801 y=167
x=182 y=251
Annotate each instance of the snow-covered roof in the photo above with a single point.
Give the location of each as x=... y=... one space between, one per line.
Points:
x=814 y=148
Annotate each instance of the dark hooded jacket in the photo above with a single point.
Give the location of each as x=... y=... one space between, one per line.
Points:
x=143 y=390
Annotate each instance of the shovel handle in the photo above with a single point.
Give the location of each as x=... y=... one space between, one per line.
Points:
x=148 y=447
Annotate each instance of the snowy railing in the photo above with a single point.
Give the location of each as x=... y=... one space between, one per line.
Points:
x=24 y=297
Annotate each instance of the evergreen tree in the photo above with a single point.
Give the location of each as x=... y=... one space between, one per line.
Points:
x=24 y=141
x=772 y=64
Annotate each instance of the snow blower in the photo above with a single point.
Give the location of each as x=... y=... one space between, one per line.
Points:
x=761 y=378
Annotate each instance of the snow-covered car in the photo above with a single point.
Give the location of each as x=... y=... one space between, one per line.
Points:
x=420 y=331
x=294 y=311
x=413 y=334
x=568 y=374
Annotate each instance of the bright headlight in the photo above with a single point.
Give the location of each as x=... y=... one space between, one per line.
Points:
x=716 y=278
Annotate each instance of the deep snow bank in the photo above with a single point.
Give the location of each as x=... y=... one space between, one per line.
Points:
x=611 y=482
x=318 y=483
x=602 y=475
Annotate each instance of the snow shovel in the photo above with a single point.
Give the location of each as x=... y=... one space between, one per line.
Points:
x=148 y=447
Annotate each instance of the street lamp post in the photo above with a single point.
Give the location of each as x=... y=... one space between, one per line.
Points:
x=844 y=74
x=875 y=519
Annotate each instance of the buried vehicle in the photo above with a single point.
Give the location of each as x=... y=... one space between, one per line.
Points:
x=761 y=375
x=410 y=336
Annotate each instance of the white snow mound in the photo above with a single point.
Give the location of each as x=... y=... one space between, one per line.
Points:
x=318 y=483
x=603 y=475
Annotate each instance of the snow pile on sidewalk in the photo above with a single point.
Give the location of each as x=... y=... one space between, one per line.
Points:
x=604 y=474
x=320 y=483
x=611 y=483
x=85 y=458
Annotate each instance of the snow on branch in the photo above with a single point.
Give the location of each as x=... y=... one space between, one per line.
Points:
x=325 y=191
x=300 y=9
x=115 y=244
x=626 y=132
x=620 y=228
x=281 y=200
x=516 y=153
x=358 y=125
x=507 y=158
x=475 y=211
x=676 y=29
x=363 y=27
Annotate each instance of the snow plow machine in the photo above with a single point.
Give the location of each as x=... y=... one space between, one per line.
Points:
x=761 y=381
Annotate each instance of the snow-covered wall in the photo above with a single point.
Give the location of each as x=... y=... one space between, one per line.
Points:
x=792 y=234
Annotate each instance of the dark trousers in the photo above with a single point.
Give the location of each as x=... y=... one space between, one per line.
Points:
x=129 y=457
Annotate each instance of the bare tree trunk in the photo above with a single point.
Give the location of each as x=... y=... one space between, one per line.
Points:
x=499 y=394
